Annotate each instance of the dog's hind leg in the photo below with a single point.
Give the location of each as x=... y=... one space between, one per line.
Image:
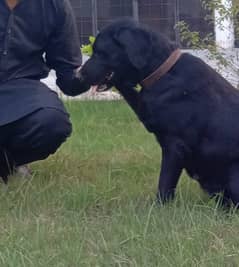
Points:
x=231 y=192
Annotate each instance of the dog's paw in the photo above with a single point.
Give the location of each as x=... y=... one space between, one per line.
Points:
x=163 y=198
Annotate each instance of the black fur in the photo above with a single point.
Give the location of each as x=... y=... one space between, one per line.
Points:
x=192 y=110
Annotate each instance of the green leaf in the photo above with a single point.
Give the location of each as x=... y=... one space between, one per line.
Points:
x=87 y=49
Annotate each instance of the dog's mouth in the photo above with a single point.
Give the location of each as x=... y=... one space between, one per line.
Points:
x=106 y=82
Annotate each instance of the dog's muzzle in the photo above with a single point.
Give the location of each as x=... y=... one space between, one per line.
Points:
x=106 y=83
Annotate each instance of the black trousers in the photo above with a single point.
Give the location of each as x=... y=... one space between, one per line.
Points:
x=31 y=138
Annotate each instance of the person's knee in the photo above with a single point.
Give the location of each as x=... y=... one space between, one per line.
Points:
x=39 y=135
x=56 y=128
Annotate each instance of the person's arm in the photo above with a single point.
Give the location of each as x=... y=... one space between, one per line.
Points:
x=63 y=52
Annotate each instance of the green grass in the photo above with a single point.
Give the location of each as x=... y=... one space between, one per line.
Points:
x=93 y=204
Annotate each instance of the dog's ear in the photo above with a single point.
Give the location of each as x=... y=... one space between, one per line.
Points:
x=137 y=44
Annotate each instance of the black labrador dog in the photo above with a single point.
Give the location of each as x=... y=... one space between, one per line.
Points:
x=191 y=109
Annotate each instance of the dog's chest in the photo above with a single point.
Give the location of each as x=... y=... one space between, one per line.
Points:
x=161 y=113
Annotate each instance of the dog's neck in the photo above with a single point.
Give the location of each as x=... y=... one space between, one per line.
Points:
x=161 y=50
x=162 y=69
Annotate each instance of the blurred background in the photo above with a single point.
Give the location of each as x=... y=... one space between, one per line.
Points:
x=160 y=15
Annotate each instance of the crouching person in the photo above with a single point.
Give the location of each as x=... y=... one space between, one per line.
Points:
x=35 y=36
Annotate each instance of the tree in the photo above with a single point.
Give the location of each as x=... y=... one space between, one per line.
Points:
x=219 y=13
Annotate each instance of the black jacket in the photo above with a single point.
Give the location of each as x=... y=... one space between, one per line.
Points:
x=36 y=36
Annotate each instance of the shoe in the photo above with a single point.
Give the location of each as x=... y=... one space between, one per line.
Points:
x=23 y=171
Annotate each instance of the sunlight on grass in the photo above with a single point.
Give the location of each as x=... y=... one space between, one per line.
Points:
x=93 y=204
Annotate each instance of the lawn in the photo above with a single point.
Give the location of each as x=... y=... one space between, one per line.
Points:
x=93 y=204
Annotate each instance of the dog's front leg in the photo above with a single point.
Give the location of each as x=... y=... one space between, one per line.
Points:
x=171 y=168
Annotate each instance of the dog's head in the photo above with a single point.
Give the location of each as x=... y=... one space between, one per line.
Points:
x=120 y=52
x=124 y=53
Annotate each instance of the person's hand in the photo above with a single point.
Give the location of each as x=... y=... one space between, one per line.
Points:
x=79 y=85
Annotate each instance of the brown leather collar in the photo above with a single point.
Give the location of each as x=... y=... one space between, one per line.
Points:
x=163 y=69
